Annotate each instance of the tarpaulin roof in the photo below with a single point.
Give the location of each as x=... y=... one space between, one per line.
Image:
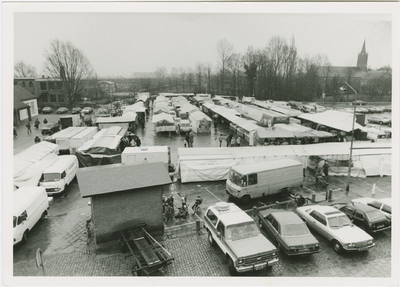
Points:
x=115 y=130
x=118 y=177
x=264 y=133
x=335 y=119
x=163 y=117
x=197 y=115
x=125 y=118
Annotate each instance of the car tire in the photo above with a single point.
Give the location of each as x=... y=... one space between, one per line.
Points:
x=337 y=247
x=260 y=224
x=284 y=192
x=43 y=216
x=246 y=199
x=211 y=239
x=24 y=237
x=231 y=267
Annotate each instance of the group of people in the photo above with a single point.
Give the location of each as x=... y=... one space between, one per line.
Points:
x=189 y=138
x=231 y=140
x=130 y=140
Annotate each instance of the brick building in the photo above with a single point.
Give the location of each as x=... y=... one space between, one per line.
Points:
x=123 y=196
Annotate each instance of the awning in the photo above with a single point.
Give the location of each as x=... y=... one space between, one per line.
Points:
x=335 y=119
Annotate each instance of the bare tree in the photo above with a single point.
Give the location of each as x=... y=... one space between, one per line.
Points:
x=182 y=76
x=225 y=50
x=22 y=70
x=190 y=78
x=69 y=64
x=200 y=72
x=161 y=73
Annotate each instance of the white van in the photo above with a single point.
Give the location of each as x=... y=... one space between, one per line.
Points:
x=265 y=178
x=30 y=205
x=56 y=177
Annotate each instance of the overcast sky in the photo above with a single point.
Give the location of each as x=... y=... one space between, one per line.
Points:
x=119 y=44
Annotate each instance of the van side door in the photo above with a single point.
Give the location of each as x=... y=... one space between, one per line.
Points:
x=253 y=187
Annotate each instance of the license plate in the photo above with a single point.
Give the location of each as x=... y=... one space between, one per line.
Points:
x=305 y=249
x=380 y=226
x=259 y=267
x=362 y=249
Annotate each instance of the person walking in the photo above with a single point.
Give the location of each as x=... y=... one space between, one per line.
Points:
x=45 y=121
x=191 y=136
x=37 y=140
x=238 y=141
x=186 y=142
x=28 y=128
x=233 y=141
x=228 y=140
x=220 y=138
x=325 y=168
x=37 y=123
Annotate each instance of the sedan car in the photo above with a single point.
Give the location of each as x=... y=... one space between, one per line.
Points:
x=47 y=110
x=359 y=102
x=335 y=226
x=288 y=232
x=380 y=120
x=87 y=110
x=49 y=128
x=384 y=205
x=62 y=110
x=103 y=113
x=76 y=110
x=366 y=217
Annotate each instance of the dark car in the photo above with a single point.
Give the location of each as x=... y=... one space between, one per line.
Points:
x=49 y=128
x=62 y=110
x=76 y=110
x=366 y=217
x=47 y=110
x=288 y=232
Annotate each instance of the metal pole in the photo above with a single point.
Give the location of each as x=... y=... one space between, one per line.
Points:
x=352 y=139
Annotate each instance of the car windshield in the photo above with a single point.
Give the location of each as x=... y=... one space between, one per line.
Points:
x=339 y=221
x=375 y=215
x=296 y=229
x=50 y=177
x=236 y=178
x=14 y=221
x=242 y=230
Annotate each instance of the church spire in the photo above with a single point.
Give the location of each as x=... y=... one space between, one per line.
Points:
x=362 y=60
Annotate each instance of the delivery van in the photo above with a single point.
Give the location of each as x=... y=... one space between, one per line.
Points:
x=30 y=205
x=265 y=178
x=56 y=177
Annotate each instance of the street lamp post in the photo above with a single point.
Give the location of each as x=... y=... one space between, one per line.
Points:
x=352 y=139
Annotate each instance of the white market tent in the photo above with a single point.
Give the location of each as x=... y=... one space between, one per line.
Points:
x=62 y=137
x=79 y=139
x=163 y=122
x=30 y=163
x=209 y=164
x=123 y=121
x=200 y=122
x=334 y=119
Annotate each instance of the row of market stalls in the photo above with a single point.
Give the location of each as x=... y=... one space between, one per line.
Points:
x=209 y=164
x=168 y=112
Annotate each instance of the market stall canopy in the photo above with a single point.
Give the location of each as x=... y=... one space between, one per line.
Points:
x=335 y=119
x=125 y=118
x=263 y=133
x=162 y=117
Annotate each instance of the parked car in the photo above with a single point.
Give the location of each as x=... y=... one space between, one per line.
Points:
x=380 y=120
x=359 y=102
x=384 y=205
x=103 y=113
x=49 y=128
x=184 y=126
x=366 y=217
x=335 y=226
x=87 y=110
x=288 y=232
x=47 y=110
x=62 y=110
x=76 y=110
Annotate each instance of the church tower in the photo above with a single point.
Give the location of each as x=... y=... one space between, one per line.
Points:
x=362 y=59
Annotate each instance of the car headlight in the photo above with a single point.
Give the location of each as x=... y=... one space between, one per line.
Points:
x=273 y=254
x=370 y=242
x=351 y=245
x=240 y=261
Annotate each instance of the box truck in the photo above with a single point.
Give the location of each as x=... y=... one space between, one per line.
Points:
x=30 y=205
x=265 y=178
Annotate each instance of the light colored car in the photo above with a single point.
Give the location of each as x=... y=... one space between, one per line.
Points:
x=185 y=126
x=382 y=204
x=87 y=110
x=62 y=110
x=335 y=226
x=47 y=110
x=380 y=120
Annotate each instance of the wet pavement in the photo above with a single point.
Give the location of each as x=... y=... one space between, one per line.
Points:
x=63 y=238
